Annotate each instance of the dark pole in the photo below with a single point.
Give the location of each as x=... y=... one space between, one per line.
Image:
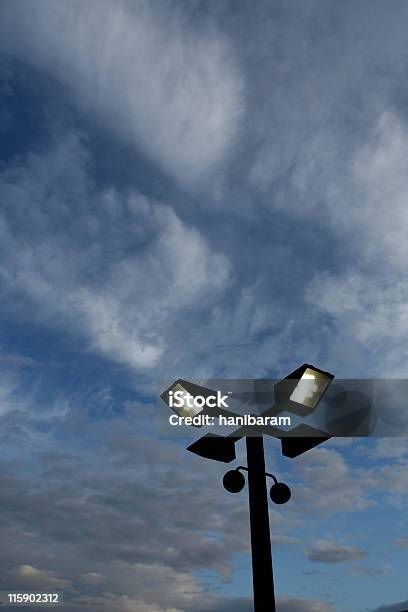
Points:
x=262 y=572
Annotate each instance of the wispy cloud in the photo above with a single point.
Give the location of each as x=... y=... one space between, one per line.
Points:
x=91 y=274
x=167 y=86
x=323 y=551
x=34 y=578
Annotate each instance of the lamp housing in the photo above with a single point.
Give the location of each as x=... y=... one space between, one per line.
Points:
x=301 y=391
x=212 y=446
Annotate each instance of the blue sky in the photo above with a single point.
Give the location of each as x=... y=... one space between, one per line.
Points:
x=202 y=189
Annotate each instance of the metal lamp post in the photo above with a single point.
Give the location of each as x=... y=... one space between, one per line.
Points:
x=262 y=568
x=299 y=393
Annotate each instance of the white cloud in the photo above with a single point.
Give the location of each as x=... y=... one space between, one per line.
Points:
x=31 y=577
x=401 y=606
x=388 y=448
x=341 y=174
x=110 y=602
x=169 y=86
x=296 y=604
x=329 y=485
x=370 y=572
x=15 y=360
x=380 y=172
x=367 y=300
x=92 y=579
x=286 y=540
x=323 y=551
x=157 y=584
x=8 y=392
x=117 y=271
x=401 y=542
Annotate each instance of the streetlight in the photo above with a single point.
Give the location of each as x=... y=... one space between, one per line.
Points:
x=300 y=393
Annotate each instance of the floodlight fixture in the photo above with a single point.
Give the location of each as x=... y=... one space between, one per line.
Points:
x=212 y=446
x=188 y=399
x=301 y=439
x=301 y=391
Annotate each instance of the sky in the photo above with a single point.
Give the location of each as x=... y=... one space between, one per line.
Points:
x=197 y=189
